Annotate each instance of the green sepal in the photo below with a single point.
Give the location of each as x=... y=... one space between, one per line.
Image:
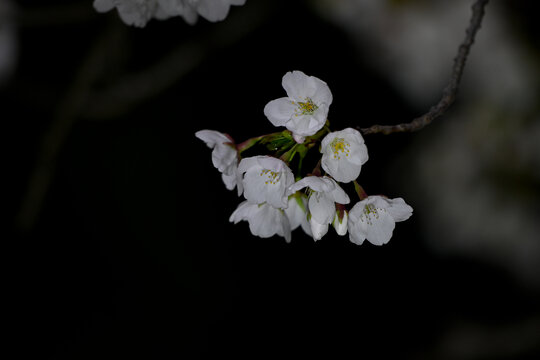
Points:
x=279 y=142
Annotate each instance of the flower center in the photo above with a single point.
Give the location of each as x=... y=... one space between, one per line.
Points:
x=370 y=212
x=305 y=108
x=340 y=147
x=271 y=177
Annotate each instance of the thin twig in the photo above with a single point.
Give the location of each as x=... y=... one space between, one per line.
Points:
x=450 y=91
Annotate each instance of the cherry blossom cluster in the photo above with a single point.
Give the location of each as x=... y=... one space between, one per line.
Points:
x=139 y=12
x=278 y=201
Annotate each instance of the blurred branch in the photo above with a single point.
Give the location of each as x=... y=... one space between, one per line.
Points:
x=75 y=12
x=449 y=93
x=82 y=100
x=467 y=340
x=67 y=111
x=129 y=91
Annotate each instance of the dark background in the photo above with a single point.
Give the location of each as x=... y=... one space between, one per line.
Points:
x=130 y=252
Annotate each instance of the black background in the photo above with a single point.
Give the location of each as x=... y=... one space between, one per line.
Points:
x=132 y=253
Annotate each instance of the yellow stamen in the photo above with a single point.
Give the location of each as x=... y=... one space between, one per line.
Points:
x=339 y=147
x=272 y=177
x=305 y=108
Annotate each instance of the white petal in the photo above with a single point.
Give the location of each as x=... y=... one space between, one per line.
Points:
x=296 y=210
x=229 y=181
x=322 y=94
x=279 y=111
x=224 y=158
x=318 y=230
x=357 y=233
x=341 y=226
x=266 y=221
x=379 y=229
x=103 y=5
x=298 y=85
x=269 y=162
x=314 y=182
x=352 y=135
x=135 y=13
x=254 y=187
x=213 y=10
x=306 y=226
x=247 y=163
x=212 y=137
x=399 y=210
x=239 y=184
x=322 y=208
x=340 y=169
x=190 y=15
x=339 y=195
x=242 y=212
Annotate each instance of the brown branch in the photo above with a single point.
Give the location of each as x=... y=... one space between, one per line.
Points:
x=450 y=91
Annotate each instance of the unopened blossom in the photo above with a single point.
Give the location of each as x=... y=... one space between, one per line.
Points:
x=374 y=218
x=324 y=195
x=266 y=180
x=340 y=222
x=224 y=156
x=305 y=108
x=264 y=220
x=344 y=153
x=297 y=212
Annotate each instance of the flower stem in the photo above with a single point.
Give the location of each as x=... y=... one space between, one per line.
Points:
x=289 y=155
x=360 y=190
x=317 y=169
x=243 y=146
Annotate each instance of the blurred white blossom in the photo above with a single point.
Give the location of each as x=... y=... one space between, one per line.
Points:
x=139 y=12
x=8 y=40
x=413 y=44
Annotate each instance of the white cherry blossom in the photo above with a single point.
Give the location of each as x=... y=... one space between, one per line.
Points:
x=374 y=218
x=324 y=195
x=266 y=180
x=305 y=108
x=264 y=220
x=224 y=157
x=344 y=153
